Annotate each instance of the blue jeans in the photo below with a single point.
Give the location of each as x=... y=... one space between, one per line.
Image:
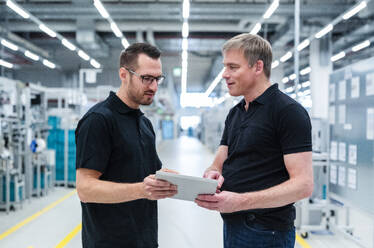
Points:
x=244 y=232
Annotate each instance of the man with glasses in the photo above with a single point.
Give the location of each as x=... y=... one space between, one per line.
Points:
x=117 y=159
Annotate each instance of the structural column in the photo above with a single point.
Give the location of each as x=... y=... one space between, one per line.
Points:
x=321 y=65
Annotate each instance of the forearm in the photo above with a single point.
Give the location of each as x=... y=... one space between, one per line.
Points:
x=280 y=195
x=219 y=159
x=99 y=191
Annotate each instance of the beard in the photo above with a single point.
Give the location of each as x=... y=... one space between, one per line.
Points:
x=139 y=96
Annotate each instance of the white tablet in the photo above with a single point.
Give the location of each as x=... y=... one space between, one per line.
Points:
x=189 y=186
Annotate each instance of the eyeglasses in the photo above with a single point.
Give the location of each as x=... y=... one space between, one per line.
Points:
x=147 y=79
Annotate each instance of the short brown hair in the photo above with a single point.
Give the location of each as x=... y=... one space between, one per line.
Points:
x=254 y=48
x=129 y=56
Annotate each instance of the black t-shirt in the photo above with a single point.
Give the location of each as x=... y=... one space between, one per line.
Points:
x=119 y=142
x=274 y=125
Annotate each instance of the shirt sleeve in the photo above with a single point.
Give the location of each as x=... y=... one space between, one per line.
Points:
x=294 y=130
x=93 y=143
x=224 y=141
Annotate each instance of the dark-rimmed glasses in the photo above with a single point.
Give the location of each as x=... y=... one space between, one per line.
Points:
x=147 y=79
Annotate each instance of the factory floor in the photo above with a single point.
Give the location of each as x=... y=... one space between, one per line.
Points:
x=55 y=220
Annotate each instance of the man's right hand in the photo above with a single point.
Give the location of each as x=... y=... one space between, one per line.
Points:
x=155 y=189
x=213 y=174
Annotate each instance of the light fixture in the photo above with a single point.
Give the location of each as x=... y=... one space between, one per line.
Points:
x=274 y=64
x=6 y=64
x=256 y=28
x=184 y=55
x=355 y=10
x=186 y=9
x=274 y=5
x=31 y=55
x=47 y=30
x=17 y=9
x=185 y=29
x=303 y=45
x=49 y=64
x=125 y=43
x=185 y=44
x=115 y=29
x=292 y=76
x=338 y=56
x=289 y=89
x=67 y=44
x=285 y=80
x=95 y=64
x=9 y=45
x=360 y=46
x=305 y=84
x=100 y=7
x=324 y=31
x=83 y=55
x=214 y=83
x=306 y=70
x=286 y=57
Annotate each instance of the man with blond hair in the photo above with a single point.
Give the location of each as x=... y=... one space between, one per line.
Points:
x=264 y=161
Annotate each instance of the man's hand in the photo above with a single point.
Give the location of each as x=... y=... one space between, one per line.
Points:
x=223 y=202
x=213 y=174
x=155 y=189
x=169 y=170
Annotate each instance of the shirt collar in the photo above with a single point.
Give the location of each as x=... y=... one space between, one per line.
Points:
x=263 y=98
x=120 y=106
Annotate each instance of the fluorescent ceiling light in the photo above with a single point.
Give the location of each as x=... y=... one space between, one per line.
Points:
x=125 y=43
x=303 y=45
x=324 y=31
x=83 y=55
x=256 y=28
x=9 y=45
x=360 y=46
x=49 y=64
x=306 y=70
x=337 y=56
x=47 y=30
x=184 y=55
x=184 y=81
x=6 y=64
x=17 y=9
x=286 y=57
x=186 y=9
x=271 y=9
x=292 y=76
x=100 y=7
x=95 y=64
x=306 y=92
x=305 y=84
x=214 y=83
x=274 y=64
x=31 y=55
x=67 y=44
x=185 y=30
x=285 y=80
x=185 y=44
x=289 y=89
x=355 y=10
x=116 y=30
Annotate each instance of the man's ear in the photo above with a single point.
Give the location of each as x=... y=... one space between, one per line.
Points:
x=122 y=73
x=259 y=66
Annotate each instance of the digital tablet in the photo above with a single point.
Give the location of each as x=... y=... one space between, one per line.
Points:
x=189 y=186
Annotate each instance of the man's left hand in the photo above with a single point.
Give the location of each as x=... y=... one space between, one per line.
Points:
x=223 y=202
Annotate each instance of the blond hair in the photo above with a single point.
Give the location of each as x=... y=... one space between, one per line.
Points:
x=254 y=48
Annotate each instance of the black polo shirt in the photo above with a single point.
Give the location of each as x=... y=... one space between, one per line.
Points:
x=274 y=125
x=120 y=143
